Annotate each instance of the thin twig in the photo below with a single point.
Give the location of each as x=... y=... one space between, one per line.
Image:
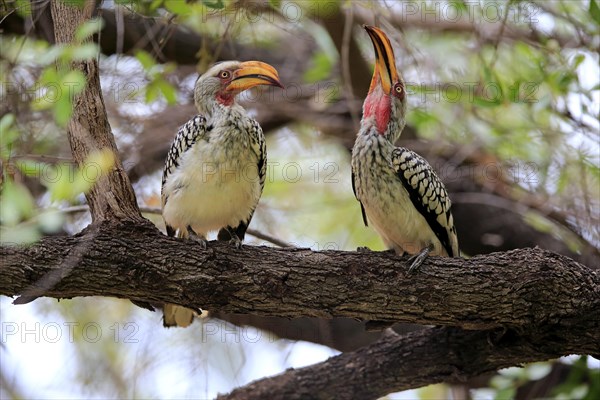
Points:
x=269 y=238
x=499 y=36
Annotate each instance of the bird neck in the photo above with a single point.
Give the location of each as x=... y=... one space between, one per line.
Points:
x=369 y=142
x=213 y=109
x=384 y=113
x=225 y=99
x=377 y=110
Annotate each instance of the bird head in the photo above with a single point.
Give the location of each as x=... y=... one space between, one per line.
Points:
x=225 y=80
x=385 y=106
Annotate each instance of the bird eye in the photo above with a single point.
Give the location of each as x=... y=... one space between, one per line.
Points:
x=399 y=89
x=224 y=74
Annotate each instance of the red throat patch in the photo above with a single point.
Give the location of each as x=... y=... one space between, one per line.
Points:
x=225 y=99
x=380 y=109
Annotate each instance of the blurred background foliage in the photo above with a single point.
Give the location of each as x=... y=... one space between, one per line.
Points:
x=504 y=103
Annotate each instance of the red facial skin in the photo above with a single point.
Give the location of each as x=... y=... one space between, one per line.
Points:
x=224 y=97
x=380 y=108
x=378 y=104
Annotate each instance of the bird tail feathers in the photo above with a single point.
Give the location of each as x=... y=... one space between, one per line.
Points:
x=174 y=315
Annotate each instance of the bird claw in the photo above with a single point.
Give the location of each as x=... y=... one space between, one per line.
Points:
x=363 y=249
x=201 y=241
x=197 y=238
x=236 y=242
x=414 y=263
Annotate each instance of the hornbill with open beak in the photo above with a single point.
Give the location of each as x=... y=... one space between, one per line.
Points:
x=399 y=193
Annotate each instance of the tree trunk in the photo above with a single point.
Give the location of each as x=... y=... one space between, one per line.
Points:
x=112 y=197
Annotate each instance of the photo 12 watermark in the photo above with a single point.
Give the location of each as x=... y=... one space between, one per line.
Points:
x=471 y=11
x=54 y=332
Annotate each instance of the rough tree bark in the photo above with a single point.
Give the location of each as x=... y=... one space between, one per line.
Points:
x=521 y=289
x=112 y=197
x=396 y=363
x=525 y=305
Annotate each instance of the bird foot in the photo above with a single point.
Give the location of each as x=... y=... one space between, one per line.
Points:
x=414 y=263
x=201 y=240
x=363 y=249
x=235 y=242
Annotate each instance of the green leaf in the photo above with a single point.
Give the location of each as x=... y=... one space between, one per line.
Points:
x=58 y=181
x=49 y=75
x=460 y=5
x=88 y=28
x=66 y=184
x=145 y=59
x=595 y=11
x=484 y=102
x=62 y=110
x=59 y=91
x=81 y=52
x=5 y=124
x=152 y=7
x=49 y=89
x=577 y=60
x=178 y=7
x=217 y=4
x=505 y=393
x=17 y=203
x=8 y=134
x=420 y=117
x=320 y=68
x=167 y=90
x=32 y=168
x=152 y=92
x=73 y=82
x=23 y=8
x=52 y=54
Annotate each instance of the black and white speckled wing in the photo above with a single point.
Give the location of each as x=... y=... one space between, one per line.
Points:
x=187 y=135
x=362 y=208
x=428 y=194
x=257 y=139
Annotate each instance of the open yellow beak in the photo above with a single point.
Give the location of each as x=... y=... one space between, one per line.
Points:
x=253 y=73
x=385 y=63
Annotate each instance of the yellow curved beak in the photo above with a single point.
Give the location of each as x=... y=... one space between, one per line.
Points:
x=385 y=63
x=253 y=73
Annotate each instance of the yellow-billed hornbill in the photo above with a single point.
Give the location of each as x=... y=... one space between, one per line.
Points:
x=399 y=192
x=215 y=170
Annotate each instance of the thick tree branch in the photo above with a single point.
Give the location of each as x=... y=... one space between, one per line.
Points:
x=396 y=363
x=522 y=289
x=527 y=304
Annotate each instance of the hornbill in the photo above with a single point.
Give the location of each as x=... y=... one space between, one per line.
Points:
x=215 y=170
x=400 y=194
